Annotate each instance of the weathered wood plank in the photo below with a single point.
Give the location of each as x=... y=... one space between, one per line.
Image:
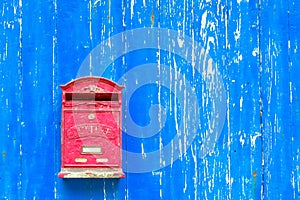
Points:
x=254 y=44
x=181 y=177
x=105 y=21
x=244 y=145
x=73 y=45
x=140 y=14
x=37 y=90
x=276 y=116
x=294 y=65
x=211 y=29
x=87 y=24
x=10 y=100
x=197 y=176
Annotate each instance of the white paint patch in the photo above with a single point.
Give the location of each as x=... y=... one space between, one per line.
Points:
x=241 y=103
x=156 y=173
x=90 y=24
x=195 y=178
x=229 y=180
x=21 y=152
x=242 y=140
x=6 y=51
x=143 y=150
x=203 y=20
x=104 y=191
x=180 y=42
x=254 y=137
x=212 y=40
x=131 y=8
x=96 y=2
x=210 y=68
x=255 y=52
x=237 y=33
x=55 y=193
x=291 y=92
x=185 y=183
x=123 y=17
x=239 y=58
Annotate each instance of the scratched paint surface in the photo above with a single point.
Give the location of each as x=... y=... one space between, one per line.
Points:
x=253 y=43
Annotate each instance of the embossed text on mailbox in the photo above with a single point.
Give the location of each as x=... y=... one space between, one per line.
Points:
x=91 y=136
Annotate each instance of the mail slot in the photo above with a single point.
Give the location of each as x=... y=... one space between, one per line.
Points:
x=91 y=137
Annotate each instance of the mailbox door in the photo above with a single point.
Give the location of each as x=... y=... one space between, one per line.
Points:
x=92 y=138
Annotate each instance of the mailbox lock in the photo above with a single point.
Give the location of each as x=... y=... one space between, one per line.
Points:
x=91 y=116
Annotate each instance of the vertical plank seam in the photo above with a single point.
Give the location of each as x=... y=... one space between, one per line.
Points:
x=228 y=97
x=159 y=88
x=21 y=94
x=261 y=100
x=290 y=93
x=55 y=84
x=90 y=24
x=126 y=196
x=91 y=34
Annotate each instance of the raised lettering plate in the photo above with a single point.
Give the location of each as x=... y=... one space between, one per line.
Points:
x=92 y=150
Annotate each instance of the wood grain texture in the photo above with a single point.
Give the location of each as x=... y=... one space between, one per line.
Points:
x=37 y=90
x=294 y=28
x=244 y=143
x=11 y=100
x=276 y=116
x=254 y=44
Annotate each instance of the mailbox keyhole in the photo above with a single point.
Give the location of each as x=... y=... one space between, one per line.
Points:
x=91 y=116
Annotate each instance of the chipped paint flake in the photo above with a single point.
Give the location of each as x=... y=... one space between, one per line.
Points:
x=254 y=137
x=241 y=103
x=242 y=140
x=255 y=52
x=132 y=2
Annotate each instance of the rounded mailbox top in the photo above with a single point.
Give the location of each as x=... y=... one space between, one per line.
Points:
x=91 y=84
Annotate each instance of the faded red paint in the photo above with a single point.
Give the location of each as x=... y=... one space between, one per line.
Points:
x=91 y=128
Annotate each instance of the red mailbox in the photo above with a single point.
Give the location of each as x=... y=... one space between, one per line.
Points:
x=91 y=143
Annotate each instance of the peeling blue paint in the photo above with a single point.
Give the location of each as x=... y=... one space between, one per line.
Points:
x=253 y=43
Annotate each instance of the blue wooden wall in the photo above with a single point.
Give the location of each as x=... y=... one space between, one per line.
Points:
x=253 y=48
